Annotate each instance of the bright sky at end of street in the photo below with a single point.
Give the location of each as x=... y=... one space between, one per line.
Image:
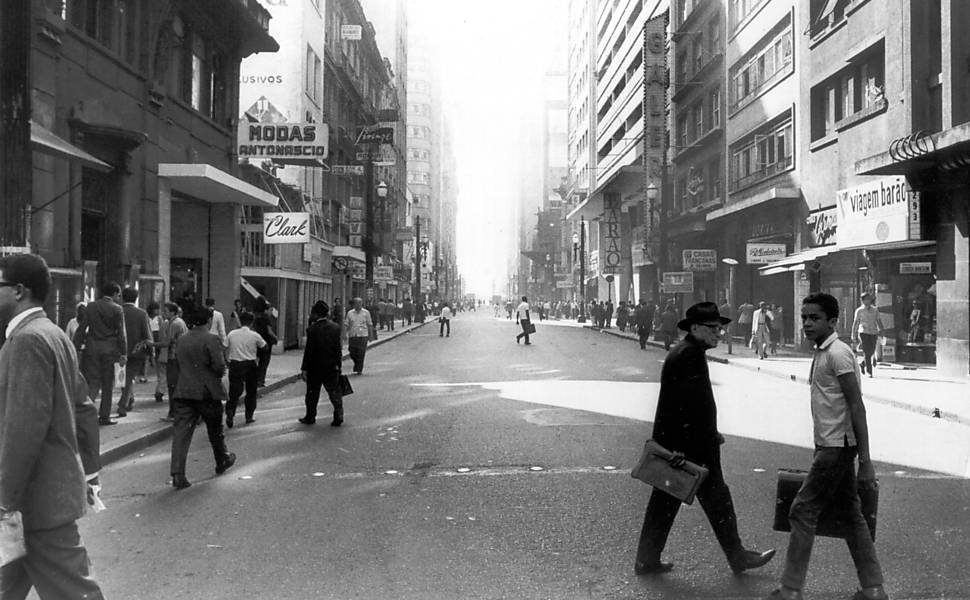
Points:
x=491 y=58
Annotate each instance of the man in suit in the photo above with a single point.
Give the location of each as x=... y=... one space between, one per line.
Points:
x=322 y=360
x=138 y=332
x=686 y=423
x=40 y=433
x=105 y=344
x=199 y=393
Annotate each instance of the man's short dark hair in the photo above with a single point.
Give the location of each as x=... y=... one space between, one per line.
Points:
x=110 y=289
x=29 y=270
x=524 y=299
x=210 y=301
x=198 y=316
x=246 y=318
x=129 y=295
x=172 y=308
x=827 y=302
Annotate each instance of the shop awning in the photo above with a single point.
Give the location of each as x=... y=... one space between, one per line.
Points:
x=775 y=193
x=795 y=262
x=45 y=141
x=210 y=184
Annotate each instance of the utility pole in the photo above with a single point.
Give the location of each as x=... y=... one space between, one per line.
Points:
x=369 y=245
x=417 y=259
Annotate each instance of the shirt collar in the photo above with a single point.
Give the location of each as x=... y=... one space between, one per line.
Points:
x=19 y=319
x=828 y=341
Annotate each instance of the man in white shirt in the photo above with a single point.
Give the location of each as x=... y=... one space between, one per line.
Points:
x=357 y=326
x=867 y=326
x=523 y=318
x=243 y=344
x=445 y=321
x=218 y=326
x=841 y=433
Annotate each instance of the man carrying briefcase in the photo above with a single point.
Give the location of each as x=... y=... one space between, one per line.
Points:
x=841 y=433
x=686 y=423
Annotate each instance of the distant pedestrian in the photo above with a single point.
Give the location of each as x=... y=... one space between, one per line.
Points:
x=218 y=327
x=841 y=435
x=668 y=326
x=237 y=309
x=622 y=315
x=761 y=330
x=322 y=364
x=867 y=327
x=243 y=356
x=105 y=344
x=74 y=323
x=643 y=318
x=46 y=440
x=199 y=394
x=172 y=331
x=388 y=314
x=407 y=312
x=686 y=424
x=357 y=328
x=139 y=337
x=524 y=320
x=745 y=312
x=609 y=314
x=337 y=311
x=444 y=321
x=263 y=327
x=508 y=309
x=777 y=323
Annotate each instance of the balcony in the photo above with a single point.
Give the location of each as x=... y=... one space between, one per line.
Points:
x=765 y=172
x=254 y=252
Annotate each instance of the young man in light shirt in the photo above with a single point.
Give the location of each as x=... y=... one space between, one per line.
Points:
x=357 y=326
x=243 y=373
x=867 y=326
x=841 y=433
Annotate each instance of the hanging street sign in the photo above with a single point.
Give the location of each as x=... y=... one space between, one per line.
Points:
x=286 y=228
x=282 y=141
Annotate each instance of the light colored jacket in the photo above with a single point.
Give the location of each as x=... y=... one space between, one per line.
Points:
x=357 y=324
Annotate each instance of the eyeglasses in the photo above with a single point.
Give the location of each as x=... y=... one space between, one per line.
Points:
x=715 y=327
x=8 y=284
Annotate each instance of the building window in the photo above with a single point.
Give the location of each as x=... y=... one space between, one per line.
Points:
x=698 y=115
x=714 y=35
x=853 y=93
x=825 y=15
x=741 y=9
x=753 y=74
x=716 y=108
x=682 y=132
x=714 y=179
x=114 y=24
x=314 y=69
x=762 y=155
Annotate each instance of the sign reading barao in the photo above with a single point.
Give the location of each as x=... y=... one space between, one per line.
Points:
x=878 y=212
x=700 y=260
x=611 y=234
x=283 y=140
x=763 y=254
x=286 y=228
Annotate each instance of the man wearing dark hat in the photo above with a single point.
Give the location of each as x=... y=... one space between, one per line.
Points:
x=322 y=360
x=686 y=423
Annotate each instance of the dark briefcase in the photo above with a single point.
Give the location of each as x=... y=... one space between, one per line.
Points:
x=529 y=327
x=654 y=469
x=834 y=520
x=345 y=388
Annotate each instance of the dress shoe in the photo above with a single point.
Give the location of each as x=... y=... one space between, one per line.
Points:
x=158 y=397
x=229 y=421
x=122 y=412
x=878 y=594
x=751 y=559
x=106 y=422
x=307 y=421
x=784 y=593
x=225 y=463
x=248 y=421
x=179 y=482
x=336 y=422
x=131 y=403
x=652 y=568
x=168 y=419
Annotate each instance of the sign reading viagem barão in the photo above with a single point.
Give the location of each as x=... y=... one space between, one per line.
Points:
x=286 y=228
x=283 y=140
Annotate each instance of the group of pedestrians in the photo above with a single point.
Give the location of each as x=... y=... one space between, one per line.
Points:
x=762 y=326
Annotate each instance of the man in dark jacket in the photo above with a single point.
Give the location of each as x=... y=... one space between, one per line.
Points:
x=686 y=423
x=138 y=332
x=105 y=344
x=644 y=320
x=322 y=359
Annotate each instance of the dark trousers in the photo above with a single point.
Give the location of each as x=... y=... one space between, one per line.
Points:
x=390 y=322
x=171 y=380
x=133 y=370
x=262 y=363
x=187 y=413
x=357 y=347
x=643 y=332
x=669 y=338
x=332 y=384
x=445 y=324
x=868 y=349
x=832 y=478
x=524 y=323
x=100 y=375
x=714 y=497
x=56 y=564
x=242 y=374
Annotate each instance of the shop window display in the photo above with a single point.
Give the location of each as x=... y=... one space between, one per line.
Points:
x=916 y=314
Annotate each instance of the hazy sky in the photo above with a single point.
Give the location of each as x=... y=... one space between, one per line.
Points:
x=492 y=55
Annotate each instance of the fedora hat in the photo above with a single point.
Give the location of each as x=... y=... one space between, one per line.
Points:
x=702 y=312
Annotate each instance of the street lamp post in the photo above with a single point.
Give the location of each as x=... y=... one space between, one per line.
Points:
x=731 y=263
x=417 y=260
x=582 y=268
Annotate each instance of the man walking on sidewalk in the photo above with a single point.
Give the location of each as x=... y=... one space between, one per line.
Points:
x=172 y=330
x=686 y=423
x=322 y=363
x=105 y=344
x=139 y=335
x=841 y=434
x=357 y=326
x=244 y=346
x=867 y=327
x=524 y=320
x=643 y=317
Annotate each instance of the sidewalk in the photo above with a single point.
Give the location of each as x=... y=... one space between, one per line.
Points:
x=144 y=426
x=916 y=388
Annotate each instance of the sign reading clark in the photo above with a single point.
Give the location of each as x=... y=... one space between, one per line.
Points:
x=286 y=228
x=283 y=140
x=881 y=211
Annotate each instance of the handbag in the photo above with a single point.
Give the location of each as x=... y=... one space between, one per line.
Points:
x=529 y=327
x=654 y=469
x=345 y=388
x=119 y=381
x=12 y=545
x=834 y=520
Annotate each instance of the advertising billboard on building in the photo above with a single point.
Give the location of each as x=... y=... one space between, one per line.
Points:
x=700 y=260
x=283 y=140
x=286 y=228
x=878 y=212
x=763 y=254
x=678 y=281
x=612 y=255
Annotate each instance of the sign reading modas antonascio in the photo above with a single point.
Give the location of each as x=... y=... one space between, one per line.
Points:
x=283 y=141
x=286 y=228
x=878 y=212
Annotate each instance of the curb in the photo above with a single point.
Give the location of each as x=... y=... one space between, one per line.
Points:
x=128 y=445
x=802 y=379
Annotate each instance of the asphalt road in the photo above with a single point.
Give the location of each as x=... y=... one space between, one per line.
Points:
x=433 y=489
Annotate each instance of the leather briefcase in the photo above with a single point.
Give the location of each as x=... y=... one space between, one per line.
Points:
x=654 y=469
x=834 y=520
